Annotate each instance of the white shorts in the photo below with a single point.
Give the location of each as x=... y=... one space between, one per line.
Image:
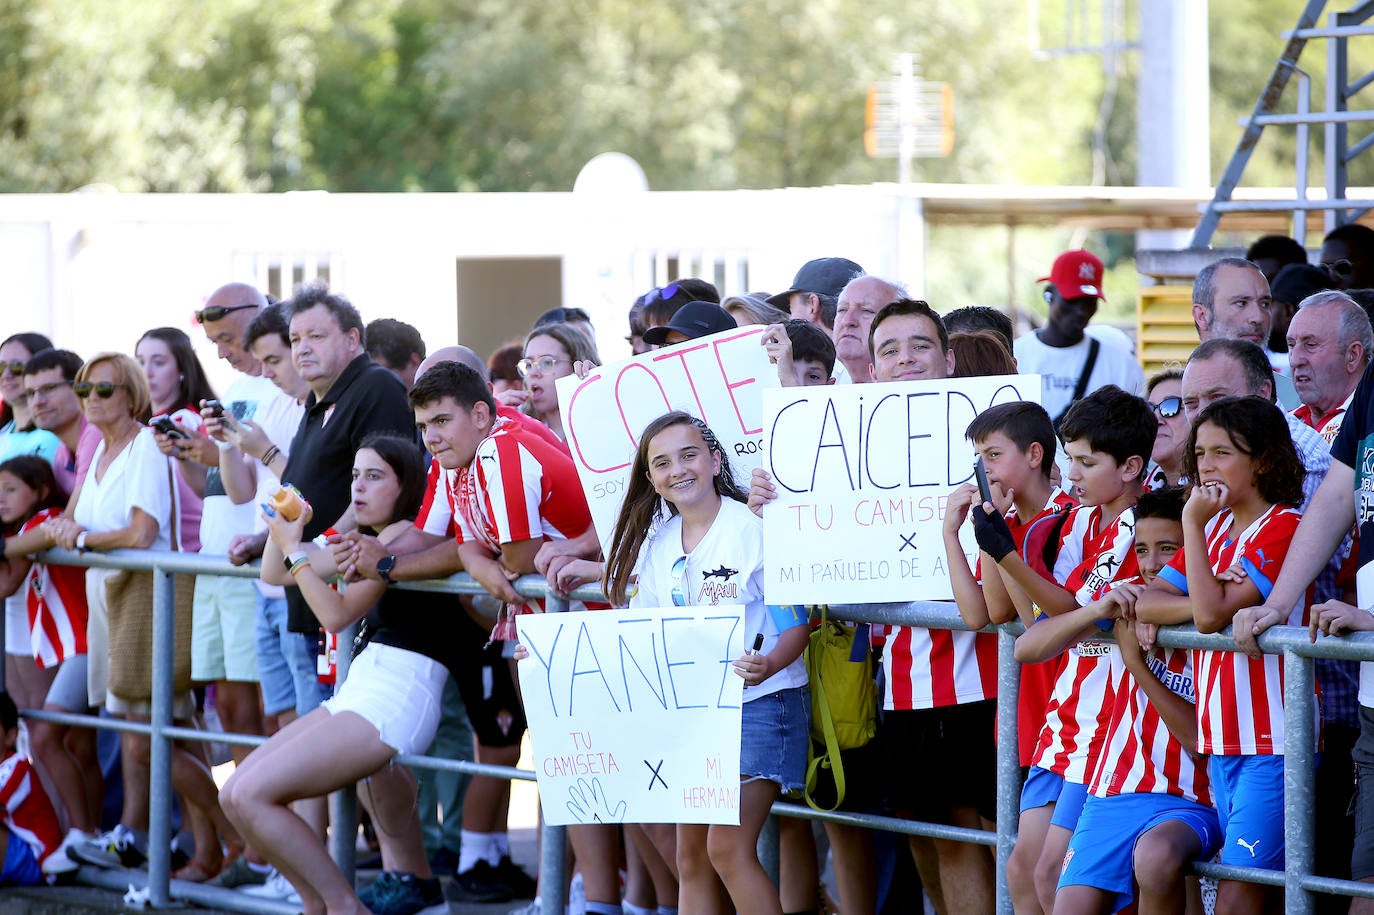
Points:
x=397 y=692
x=17 y=640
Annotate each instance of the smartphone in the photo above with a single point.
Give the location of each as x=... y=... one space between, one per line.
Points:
x=168 y=428
x=984 y=491
x=215 y=407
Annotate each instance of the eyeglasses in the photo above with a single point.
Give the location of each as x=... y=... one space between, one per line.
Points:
x=665 y=293
x=14 y=367
x=217 y=312
x=102 y=389
x=544 y=364
x=46 y=389
x=1168 y=407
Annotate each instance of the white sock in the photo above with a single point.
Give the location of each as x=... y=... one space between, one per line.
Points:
x=473 y=848
x=603 y=908
x=629 y=908
x=498 y=847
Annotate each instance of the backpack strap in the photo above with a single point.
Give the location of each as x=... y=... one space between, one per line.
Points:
x=820 y=711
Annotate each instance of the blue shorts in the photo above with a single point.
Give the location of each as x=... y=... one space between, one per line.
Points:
x=777 y=736
x=21 y=868
x=1045 y=787
x=1249 y=797
x=1101 y=853
x=286 y=662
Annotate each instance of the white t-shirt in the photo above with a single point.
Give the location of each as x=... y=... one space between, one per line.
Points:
x=726 y=567
x=136 y=478
x=220 y=519
x=1060 y=366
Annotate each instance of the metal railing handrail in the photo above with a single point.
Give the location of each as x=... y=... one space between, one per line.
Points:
x=1293 y=643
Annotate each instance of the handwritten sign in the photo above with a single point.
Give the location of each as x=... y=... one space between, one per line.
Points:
x=719 y=379
x=863 y=473
x=635 y=714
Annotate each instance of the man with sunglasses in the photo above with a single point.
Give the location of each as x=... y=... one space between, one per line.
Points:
x=1348 y=255
x=48 y=383
x=1070 y=361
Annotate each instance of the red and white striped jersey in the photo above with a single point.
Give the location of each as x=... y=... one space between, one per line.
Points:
x=29 y=815
x=56 y=601
x=1239 y=698
x=1093 y=557
x=1141 y=755
x=933 y=668
x=519 y=487
x=436 y=511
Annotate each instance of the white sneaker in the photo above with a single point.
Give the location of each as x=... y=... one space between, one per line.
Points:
x=59 y=862
x=534 y=908
x=276 y=887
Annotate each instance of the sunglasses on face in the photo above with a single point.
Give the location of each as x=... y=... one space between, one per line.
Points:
x=217 y=312
x=1168 y=407
x=14 y=367
x=102 y=389
x=46 y=389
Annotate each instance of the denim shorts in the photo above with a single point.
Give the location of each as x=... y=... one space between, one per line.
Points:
x=286 y=662
x=775 y=735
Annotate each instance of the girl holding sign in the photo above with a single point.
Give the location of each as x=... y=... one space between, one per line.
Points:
x=707 y=548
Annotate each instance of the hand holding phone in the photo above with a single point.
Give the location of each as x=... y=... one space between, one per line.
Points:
x=984 y=490
x=170 y=429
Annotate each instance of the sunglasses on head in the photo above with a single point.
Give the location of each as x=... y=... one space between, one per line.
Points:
x=1168 y=407
x=665 y=293
x=14 y=367
x=217 y=312
x=102 y=389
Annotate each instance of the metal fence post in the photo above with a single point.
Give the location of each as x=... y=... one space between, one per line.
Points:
x=1299 y=773
x=1008 y=761
x=553 y=865
x=343 y=804
x=160 y=761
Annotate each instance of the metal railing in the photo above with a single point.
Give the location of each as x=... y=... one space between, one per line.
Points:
x=1299 y=760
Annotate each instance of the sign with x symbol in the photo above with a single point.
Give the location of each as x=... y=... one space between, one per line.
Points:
x=656 y=776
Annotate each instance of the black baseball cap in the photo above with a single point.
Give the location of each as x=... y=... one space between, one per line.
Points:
x=695 y=319
x=823 y=276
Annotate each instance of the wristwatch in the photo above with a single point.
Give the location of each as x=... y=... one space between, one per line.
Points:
x=81 y=542
x=384 y=567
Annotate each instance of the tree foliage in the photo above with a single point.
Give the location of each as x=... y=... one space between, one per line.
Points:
x=401 y=95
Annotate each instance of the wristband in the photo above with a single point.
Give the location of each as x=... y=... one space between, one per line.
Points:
x=270 y=455
x=81 y=542
x=295 y=560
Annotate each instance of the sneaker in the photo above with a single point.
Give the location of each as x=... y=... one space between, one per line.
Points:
x=444 y=862
x=116 y=848
x=534 y=908
x=241 y=873
x=274 y=887
x=480 y=883
x=396 y=893
x=59 y=862
x=522 y=885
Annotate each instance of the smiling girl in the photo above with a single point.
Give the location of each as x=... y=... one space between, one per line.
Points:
x=684 y=520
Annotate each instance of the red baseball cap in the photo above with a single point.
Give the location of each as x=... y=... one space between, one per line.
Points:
x=1076 y=274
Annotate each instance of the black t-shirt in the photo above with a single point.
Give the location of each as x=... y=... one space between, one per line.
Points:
x=1354 y=447
x=425 y=622
x=365 y=399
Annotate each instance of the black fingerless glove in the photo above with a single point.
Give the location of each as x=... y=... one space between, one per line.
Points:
x=992 y=533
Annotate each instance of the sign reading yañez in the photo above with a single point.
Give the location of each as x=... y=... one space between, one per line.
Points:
x=719 y=379
x=634 y=715
x=862 y=474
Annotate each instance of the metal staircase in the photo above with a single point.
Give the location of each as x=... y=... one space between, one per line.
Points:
x=1334 y=120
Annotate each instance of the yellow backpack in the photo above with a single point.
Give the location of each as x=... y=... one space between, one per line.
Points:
x=844 y=700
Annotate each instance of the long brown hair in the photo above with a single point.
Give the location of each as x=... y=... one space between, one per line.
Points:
x=642 y=507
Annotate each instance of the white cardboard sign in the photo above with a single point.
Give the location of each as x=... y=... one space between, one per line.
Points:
x=863 y=473
x=719 y=379
x=634 y=715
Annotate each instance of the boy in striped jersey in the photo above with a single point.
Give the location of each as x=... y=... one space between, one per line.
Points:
x=1108 y=437
x=1148 y=813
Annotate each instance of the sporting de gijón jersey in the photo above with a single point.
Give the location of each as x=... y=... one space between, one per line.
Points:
x=518 y=487
x=29 y=815
x=1239 y=698
x=1094 y=556
x=56 y=600
x=1141 y=755
x=933 y=668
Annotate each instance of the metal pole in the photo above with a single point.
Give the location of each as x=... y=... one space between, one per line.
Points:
x=553 y=865
x=343 y=804
x=1299 y=772
x=1008 y=762
x=160 y=762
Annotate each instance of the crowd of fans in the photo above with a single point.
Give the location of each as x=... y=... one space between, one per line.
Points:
x=346 y=457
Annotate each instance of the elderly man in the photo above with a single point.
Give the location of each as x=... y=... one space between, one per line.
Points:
x=1329 y=345
x=860 y=300
x=816 y=288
